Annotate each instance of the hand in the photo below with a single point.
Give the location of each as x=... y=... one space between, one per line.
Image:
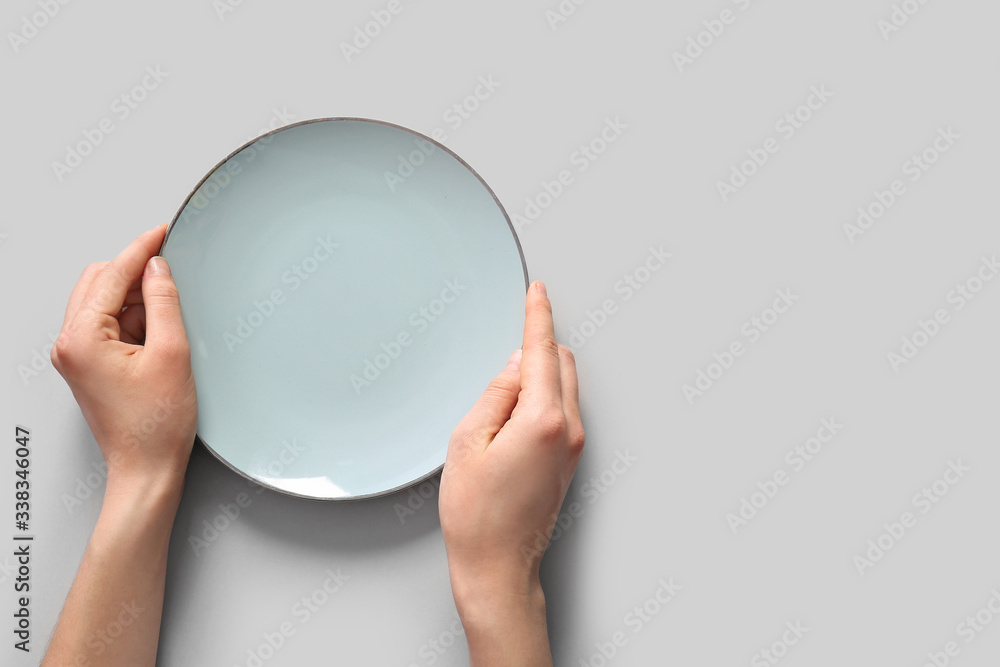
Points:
x=125 y=355
x=510 y=462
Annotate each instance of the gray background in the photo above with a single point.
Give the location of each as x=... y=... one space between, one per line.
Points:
x=664 y=516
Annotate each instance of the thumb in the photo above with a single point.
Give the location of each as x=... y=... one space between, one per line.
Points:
x=164 y=326
x=496 y=404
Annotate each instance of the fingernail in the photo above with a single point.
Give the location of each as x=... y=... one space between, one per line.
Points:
x=514 y=363
x=158 y=266
x=540 y=286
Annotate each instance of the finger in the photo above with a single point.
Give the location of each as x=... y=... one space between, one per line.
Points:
x=108 y=291
x=540 y=364
x=80 y=290
x=494 y=406
x=164 y=325
x=571 y=397
x=133 y=325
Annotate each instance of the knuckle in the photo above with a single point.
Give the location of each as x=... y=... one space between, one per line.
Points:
x=160 y=290
x=459 y=435
x=482 y=435
x=118 y=273
x=55 y=356
x=551 y=423
x=471 y=433
x=577 y=438
x=566 y=355
x=93 y=269
x=461 y=428
x=548 y=343
x=503 y=384
x=464 y=433
x=66 y=352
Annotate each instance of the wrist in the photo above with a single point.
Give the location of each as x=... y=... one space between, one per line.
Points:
x=483 y=607
x=492 y=584
x=483 y=595
x=139 y=470
x=136 y=522
x=504 y=621
x=147 y=498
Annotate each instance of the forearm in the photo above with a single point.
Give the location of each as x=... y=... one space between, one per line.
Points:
x=505 y=625
x=112 y=614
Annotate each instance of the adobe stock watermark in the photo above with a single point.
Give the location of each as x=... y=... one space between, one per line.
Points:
x=229 y=513
x=215 y=184
x=100 y=641
x=39 y=361
x=778 y=649
x=139 y=432
x=625 y=289
x=590 y=491
x=455 y=116
x=635 y=620
x=419 y=321
x=267 y=306
x=912 y=344
x=32 y=24
x=712 y=30
x=86 y=486
x=580 y=160
x=301 y=613
x=278 y=118
x=797 y=458
x=366 y=33
x=968 y=630
x=752 y=330
x=899 y=17
x=562 y=12
x=434 y=648
x=417 y=498
x=923 y=501
x=7 y=570
x=787 y=126
x=225 y=7
x=121 y=108
x=913 y=169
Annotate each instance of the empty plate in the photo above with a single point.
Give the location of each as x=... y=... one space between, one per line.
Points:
x=349 y=288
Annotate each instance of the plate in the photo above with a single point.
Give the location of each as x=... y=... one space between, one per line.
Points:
x=349 y=287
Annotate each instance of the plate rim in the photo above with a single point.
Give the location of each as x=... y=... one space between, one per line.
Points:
x=221 y=163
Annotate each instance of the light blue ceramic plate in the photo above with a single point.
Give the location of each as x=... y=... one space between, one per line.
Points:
x=349 y=288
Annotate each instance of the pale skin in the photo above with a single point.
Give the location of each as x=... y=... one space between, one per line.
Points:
x=125 y=355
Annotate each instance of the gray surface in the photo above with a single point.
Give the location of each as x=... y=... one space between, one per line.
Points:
x=665 y=516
